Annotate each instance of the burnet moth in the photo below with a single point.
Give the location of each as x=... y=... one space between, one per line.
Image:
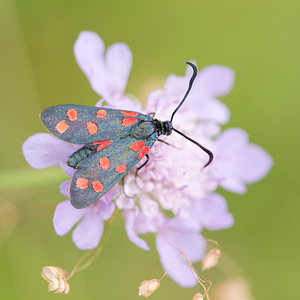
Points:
x=114 y=142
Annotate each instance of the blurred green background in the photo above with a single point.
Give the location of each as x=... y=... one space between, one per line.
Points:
x=258 y=39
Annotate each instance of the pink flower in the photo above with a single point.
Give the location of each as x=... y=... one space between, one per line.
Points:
x=177 y=199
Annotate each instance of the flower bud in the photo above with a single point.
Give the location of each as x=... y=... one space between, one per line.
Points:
x=198 y=296
x=211 y=259
x=56 y=277
x=147 y=287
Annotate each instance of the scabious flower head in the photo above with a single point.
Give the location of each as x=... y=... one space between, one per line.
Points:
x=176 y=199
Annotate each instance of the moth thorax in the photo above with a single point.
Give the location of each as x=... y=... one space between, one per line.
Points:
x=164 y=127
x=143 y=130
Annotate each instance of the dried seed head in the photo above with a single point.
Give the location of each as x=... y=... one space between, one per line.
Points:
x=147 y=287
x=56 y=277
x=211 y=259
x=198 y=296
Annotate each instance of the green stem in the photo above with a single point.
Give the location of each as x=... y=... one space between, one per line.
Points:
x=24 y=178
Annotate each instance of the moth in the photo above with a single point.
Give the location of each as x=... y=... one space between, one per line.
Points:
x=114 y=142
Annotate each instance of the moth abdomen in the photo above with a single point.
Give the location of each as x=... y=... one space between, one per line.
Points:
x=79 y=156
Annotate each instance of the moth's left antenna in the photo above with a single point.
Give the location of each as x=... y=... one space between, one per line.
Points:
x=189 y=88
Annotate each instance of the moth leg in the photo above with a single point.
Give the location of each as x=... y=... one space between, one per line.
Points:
x=152 y=114
x=137 y=170
x=123 y=180
x=168 y=144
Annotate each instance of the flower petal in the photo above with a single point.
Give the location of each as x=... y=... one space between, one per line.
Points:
x=88 y=232
x=65 y=217
x=119 y=62
x=193 y=248
x=112 y=194
x=256 y=161
x=130 y=217
x=89 y=52
x=107 y=75
x=233 y=183
x=105 y=209
x=238 y=162
x=216 y=80
x=64 y=188
x=43 y=150
x=212 y=109
x=153 y=101
x=233 y=139
x=69 y=170
x=176 y=86
x=215 y=213
x=123 y=103
x=180 y=273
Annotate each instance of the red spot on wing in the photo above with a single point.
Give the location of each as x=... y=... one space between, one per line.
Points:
x=120 y=168
x=92 y=127
x=72 y=114
x=82 y=183
x=128 y=121
x=137 y=146
x=130 y=113
x=104 y=163
x=61 y=126
x=101 y=113
x=97 y=186
x=143 y=152
x=102 y=144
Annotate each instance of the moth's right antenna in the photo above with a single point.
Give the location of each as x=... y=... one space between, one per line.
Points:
x=210 y=154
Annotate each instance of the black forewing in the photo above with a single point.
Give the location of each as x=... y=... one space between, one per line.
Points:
x=79 y=124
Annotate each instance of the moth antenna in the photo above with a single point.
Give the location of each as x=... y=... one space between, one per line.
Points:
x=189 y=88
x=210 y=154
